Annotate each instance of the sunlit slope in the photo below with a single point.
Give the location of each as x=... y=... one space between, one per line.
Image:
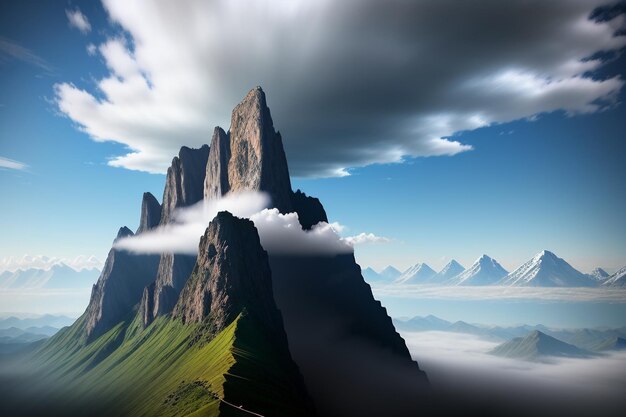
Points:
x=171 y=368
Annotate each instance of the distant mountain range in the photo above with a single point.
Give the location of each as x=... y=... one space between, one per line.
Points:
x=19 y=334
x=47 y=320
x=543 y=270
x=57 y=276
x=594 y=340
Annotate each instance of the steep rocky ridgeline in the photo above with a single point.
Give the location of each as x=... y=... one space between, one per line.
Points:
x=118 y=289
x=184 y=187
x=216 y=182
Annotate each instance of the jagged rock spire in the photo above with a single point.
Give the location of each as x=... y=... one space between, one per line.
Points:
x=119 y=287
x=150 y=213
x=185 y=180
x=252 y=154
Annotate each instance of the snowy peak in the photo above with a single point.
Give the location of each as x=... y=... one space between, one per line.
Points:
x=618 y=279
x=452 y=269
x=547 y=270
x=417 y=274
x=599 y=274
x=390 y=273
x=485 y=271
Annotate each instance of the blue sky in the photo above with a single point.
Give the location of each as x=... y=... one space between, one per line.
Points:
x=556 y=182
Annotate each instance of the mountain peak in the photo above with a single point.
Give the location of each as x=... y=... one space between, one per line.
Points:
x=485 y=271
x=150 y=213
x=124 y=232
x=536 y=345
x=546 y=269
x=250 y=157
x=232 y=274
x=419 y=273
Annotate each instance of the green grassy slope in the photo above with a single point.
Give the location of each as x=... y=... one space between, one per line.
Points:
x=171 y=368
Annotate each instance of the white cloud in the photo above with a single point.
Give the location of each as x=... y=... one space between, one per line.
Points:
x=350 y=83
x=10 y=49
x=183 y=236
x=279 y=233
x=408 y=291
x=6 y=163
x=78 y=20
x=362 y=238
x=92 y=49
x=282 y=234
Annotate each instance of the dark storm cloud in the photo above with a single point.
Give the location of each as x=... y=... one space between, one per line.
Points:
x=349 y=83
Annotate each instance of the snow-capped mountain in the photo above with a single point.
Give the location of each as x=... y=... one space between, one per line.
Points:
x=599 y=274
x=485 y=271
x=417 y=274
x=27 y=262
x=547 y=270
x=452 y=269
x=618 y=279
x=58 y=275
x=390 y=273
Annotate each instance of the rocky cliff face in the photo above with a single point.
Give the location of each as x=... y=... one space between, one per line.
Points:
x=185 y=180
x=119 y=288
x=252 y=154
x=231 y=275
x=216 y=183
x=150 y=213
x=310 y=210
x=336 y=328
x=184 y=187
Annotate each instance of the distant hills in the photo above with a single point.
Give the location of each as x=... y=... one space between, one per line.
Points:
x=590 y=340
x=19 y=334
x=536 y=346
x=545 y=269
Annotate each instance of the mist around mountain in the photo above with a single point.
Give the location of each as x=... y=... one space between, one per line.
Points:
x=589 y=339
x=233 y=327
x=538 y=346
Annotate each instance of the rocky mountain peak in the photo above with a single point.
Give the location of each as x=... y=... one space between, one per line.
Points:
x=216 y=183
x=184 y=183
x=150 y=213
x=124 y=232
x=232 y=274
x=252 y=154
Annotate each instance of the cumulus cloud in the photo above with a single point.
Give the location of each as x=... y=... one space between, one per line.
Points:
x=78 y=20
x=362 y=238
x=282 y=234
x=6 y=163
x=350 y=83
